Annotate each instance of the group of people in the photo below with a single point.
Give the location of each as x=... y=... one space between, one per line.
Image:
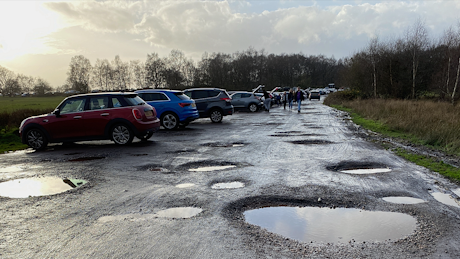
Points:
x=286 y=98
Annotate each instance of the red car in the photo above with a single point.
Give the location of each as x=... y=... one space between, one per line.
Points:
x=115 y=116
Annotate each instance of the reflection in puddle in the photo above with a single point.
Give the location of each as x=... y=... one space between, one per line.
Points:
x=445 y=198
x=179 y=212
x=230 y=185
x=238 y=145
x=211 y=168
x=23 y=188
x=403 y=200
x=309 y=224
x=185 y=185
x=367 y=171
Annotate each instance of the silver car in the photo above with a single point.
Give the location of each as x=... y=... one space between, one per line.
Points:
x=246 y=100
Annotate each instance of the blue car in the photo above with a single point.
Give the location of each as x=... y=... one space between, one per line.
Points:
x=174 y=108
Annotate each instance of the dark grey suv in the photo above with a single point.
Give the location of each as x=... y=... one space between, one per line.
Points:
x=214 y=103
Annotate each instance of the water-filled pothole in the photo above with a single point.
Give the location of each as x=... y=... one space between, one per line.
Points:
x=211 y=168
x=311 y=142
x=179 y=212
x=80 y=159
x=314 y=224
x=367 y=171
x=40 y=186
x=352 y=167
x=218 y=144
x=228 y=185
x=456 y=191
x=139 y=154
x=445 y=199
x=403 y=200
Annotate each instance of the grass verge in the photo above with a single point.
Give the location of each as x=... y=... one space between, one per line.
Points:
x=444 y=169
x=10 y=141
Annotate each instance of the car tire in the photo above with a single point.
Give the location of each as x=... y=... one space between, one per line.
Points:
x=121 y=134
x=216 y=116
x=253 y=107
x=36 y=139
x=169 y=121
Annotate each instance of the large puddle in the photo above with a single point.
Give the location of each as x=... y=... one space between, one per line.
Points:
x=403 y=200
x=313 y=224
x=40 y=186
x=445 y=198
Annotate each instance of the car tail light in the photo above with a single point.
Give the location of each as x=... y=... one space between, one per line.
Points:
x=226 y=99
x=184 y=104
x=137 y=114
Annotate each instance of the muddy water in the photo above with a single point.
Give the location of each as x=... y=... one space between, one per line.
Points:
x=403 y=200
x=40 y=186
x=313 y=224
x=211 y=168
x=229 y=185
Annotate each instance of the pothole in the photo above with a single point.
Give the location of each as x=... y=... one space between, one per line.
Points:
x=182 y=151
x=72 y=154
x=40 y=186
x=158 y=169
x=315 y=224
x=185 y=185
x=352 y=167
x=90 y=158
x=211 y=168
x=218 y=144
x=139 y=154
x=228 y=185
x=311 y=142
x=403 y=200
x=445 y=199
x=179 y=212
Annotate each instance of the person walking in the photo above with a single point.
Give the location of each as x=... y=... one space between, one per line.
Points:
x=267 y=101
x=299 y=97
x=285 y=99
x=290 y=98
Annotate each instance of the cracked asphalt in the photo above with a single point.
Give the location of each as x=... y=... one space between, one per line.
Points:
x=283 y=158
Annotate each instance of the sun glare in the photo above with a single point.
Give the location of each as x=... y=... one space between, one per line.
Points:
x=24 y=26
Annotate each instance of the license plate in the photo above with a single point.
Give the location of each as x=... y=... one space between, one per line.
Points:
x=149 y=113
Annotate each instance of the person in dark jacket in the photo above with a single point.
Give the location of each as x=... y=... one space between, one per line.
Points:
x=290 y=98
x=267 y=101
x=299 y=97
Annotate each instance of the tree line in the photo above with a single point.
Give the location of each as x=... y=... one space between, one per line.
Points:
x=12 y=84
x=412 y=66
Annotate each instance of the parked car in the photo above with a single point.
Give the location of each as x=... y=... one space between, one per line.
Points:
x=246 y=100
x=214 y=103
x=174 y=108
x=115 y=116
x=315 y=95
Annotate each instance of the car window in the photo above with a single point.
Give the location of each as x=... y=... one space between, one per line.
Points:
x=236 y=96
x=96 y=103
x=134 y=100
x=116 y=102
x=181 y=96
x=199 y=94
x=153 y=97
x=73 y=105
x=213 y=93
x=246 y=95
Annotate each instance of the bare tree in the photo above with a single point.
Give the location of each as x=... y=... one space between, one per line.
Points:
x=101 y=75
x=42 y=87
x=26 y=83
x=138 y=74
x=5 y=75
x=373 y=51
x=417 y=41
x=79 y=73
x=11 y=87
x=155 y=71
x=120 y=71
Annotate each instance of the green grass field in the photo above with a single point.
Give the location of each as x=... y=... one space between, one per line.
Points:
x=10 y=104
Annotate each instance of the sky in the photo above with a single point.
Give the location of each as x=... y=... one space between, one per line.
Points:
x=38 y=38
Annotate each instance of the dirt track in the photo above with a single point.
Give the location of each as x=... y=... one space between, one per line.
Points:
x=283 y=158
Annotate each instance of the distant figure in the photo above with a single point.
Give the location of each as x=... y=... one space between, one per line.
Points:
x=267 y=101
x=299 y=97
x=290 y=98
x=285 y=99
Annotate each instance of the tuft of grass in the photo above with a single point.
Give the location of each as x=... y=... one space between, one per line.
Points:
x=10 y=141
x=447 y=170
